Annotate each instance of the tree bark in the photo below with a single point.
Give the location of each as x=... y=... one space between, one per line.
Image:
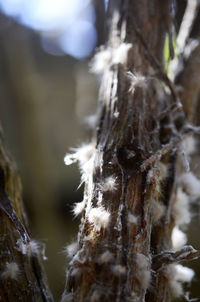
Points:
x=133 y=179
x=132 y=176
x=21 y=274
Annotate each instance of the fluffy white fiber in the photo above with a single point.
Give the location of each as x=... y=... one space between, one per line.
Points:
x=179 y=239
x=81 y=154
x=189 y=145
x=106 y=57
x=136 y=80
x=79 y=208
x=71 y=249
x=84 y=155
x=30 y=249
x=118 y=269
x=109 y=184
x=143 y=275
x=132 y=219
x=11 y=271
x=157 y=210
x=99 y=217
x=181 y=210
x=190 y=184
x=176 y=275
x=183 y=273
x=105 y=257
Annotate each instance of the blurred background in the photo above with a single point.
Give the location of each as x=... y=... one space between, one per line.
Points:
x=46 y=93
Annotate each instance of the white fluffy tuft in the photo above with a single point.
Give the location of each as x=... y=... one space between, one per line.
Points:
x=120 y=53
x=132 y=219
x=105 y=257
x=189 y=145
x=157 y=210
x=118 y=270
x=79 y=208
x=81 y=154
x=181 y=211
x=179 y=239
x=116 y=114
x=101 y=60
x=109 y=184
x=109 y=56
x=91 y=120
x=99 y=217
x=85 y=156
x=71 y=249
x=184 y=274
x=176 y=275
x=30 y=249
x=163 y=169
x=11 y=271
x=136 y=80
x=190 y=184
x=143 y=275
x=175 y=285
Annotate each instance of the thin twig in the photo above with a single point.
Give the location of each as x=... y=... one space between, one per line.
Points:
x=169 y=257
x=187 y=23
x=188 y=129
x=171 y=109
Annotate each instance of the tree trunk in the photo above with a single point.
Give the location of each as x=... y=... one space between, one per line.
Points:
x=129 y=208
x=137 y=187
x=21 y=273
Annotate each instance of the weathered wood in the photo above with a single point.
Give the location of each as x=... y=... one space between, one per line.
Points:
x=132 y=128
x=21 y=274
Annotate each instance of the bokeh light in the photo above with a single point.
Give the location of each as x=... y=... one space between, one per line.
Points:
x=65 y=26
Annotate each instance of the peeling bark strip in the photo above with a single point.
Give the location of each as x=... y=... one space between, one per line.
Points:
x=130 y=173
x=21 y=275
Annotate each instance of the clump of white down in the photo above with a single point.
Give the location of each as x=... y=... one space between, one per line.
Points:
x=109 y=56
x=189 y=145
x=179 y=239
x=11 y=271
x=176 y=275
x=79 y=207
x=91 y=120
x=132 y=219
x=105 y=257
x=109 y=184
x=84 y=155
x=188 y=190
x=71 y=249
x=163 y=170
x=30 y=248
x=158 y=210
x=136 y=80
x=181 y=210
x=118 y=269
x=99 y=217
x=143 y=273
x=190 y=184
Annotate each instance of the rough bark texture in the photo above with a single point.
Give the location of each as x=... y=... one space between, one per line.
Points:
x=21 y=274
x=124 y=242
x=140 y=127
x=127 y=140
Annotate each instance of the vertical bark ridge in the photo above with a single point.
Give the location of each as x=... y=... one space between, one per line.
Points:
x=132 y=98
